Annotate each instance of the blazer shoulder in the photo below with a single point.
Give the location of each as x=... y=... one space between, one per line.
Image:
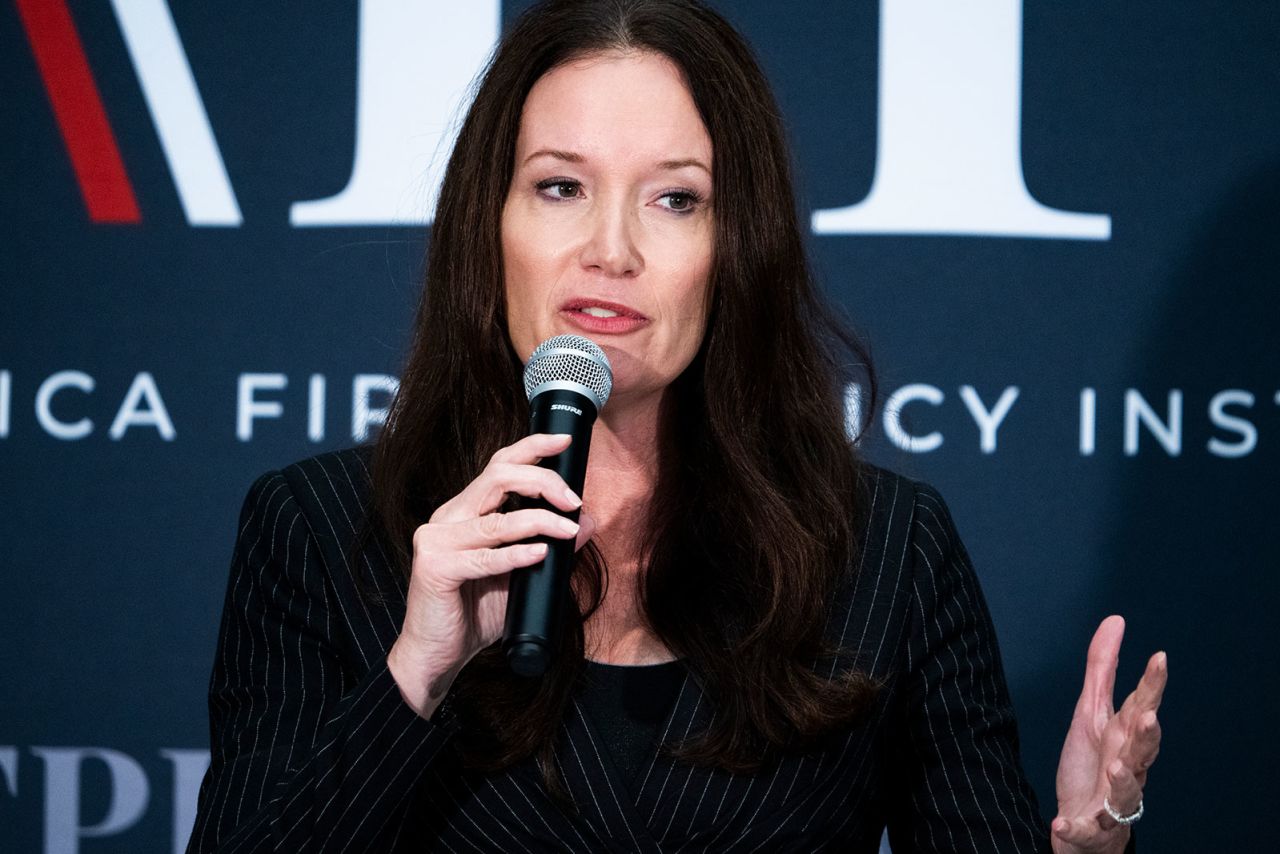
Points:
x=331 y=493
x=337 y=480
x=889 y=503
x=903 y=518
x=888 y=496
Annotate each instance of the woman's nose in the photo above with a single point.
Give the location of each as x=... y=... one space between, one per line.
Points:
x=611 y=246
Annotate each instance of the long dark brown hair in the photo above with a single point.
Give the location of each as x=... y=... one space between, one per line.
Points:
x=760 y=488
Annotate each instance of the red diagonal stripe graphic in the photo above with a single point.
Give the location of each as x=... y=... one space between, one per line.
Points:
x=77 y=106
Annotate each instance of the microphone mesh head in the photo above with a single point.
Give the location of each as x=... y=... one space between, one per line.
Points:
x=569 y=361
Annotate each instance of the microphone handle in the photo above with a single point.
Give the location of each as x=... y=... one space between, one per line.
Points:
x=537 y=595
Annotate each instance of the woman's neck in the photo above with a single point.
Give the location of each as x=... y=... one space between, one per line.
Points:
x=622 y=472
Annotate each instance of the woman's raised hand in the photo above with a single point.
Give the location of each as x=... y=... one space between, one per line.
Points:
x=457 y=596
x=1107 y=753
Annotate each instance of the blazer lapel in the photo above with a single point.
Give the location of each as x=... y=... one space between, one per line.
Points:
x=597 y=788
x=668 y=788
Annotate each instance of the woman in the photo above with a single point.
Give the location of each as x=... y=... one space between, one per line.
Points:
x=816 y=656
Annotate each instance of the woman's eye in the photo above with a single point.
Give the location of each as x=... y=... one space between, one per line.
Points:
x=681 y=201
x=559 y=189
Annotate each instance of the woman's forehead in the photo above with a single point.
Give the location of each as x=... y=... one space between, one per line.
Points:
x=614 y=104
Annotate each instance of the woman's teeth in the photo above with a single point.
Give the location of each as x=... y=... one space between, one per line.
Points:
x=598 y=312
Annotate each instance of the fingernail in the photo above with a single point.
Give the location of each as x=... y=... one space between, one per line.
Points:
x=563 y=437
x=568 y=526
x=1115 y=768
x=573 y=497
x=537 y=549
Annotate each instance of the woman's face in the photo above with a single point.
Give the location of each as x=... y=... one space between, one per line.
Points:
x=607 y=228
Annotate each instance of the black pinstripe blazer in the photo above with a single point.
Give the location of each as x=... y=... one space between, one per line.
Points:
x=313 y=748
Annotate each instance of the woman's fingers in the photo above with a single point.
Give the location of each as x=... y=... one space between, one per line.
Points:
x=586 y=529
x=513 y=471
x=1076 y=831
x=1124 y=796
x=496 y=529
x=484 y=563
x=1100 y=668
x=1142 y=728
x=1150 y=690
x=502 y=479
x=489 y=545
x=492 y=529
x=532 y=448
x=1143 y=745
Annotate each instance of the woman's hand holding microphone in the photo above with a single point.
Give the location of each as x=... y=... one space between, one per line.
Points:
x=457 y=596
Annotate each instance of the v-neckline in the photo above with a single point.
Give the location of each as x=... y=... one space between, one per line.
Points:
x=630 y=708
x=598 y=785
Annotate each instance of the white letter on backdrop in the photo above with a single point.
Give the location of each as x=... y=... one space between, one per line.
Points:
x=988 y=422
x=853 y=411
x=1088 y=421
x=9 y=765
x=416 y=62
x=1217 y=414
x=6 y=393
x=893 y=417
x=177 y=112
x=1136 y=409
x=949 y=146
x=362 y=415
x=315 y=408
x=62 y=828
x=248 y=409
x=67 y=430
x=155 y=415
x=188 y=770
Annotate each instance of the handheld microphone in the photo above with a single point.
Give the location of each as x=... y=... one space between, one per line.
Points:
x=568 y=379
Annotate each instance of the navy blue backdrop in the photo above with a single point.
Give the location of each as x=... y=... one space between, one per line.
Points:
x=1057 y=223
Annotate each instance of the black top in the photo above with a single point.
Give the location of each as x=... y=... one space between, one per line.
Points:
x=629 y=704
x=314 y=749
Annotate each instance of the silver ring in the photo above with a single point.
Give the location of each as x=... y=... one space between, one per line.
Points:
x=1122 y=819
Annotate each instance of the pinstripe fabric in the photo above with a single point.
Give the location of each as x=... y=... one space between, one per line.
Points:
x=313 y=749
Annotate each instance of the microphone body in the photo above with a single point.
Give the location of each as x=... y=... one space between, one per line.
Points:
x=568 y=379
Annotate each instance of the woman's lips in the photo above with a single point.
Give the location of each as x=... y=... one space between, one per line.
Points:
x=585 y=314
x=615 y=325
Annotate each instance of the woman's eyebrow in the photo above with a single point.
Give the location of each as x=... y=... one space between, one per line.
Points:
x=558 y=154
x=680 y=164
x=574 y=157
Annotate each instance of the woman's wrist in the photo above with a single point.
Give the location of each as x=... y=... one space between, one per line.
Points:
x=422 y=683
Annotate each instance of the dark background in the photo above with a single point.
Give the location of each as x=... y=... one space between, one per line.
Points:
x=1164 y=116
